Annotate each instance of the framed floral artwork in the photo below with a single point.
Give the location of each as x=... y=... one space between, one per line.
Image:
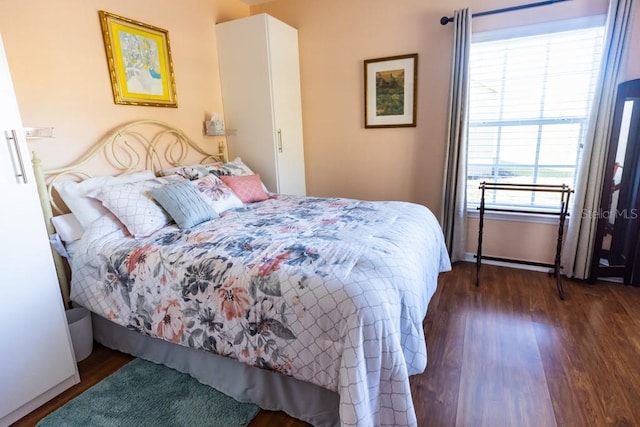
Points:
x=390 y=86
x=139 y=59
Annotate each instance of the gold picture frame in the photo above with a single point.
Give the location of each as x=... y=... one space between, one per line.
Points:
x=139 y=59
x=390 y=91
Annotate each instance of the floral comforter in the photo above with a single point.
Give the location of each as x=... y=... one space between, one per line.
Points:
x=329 y=291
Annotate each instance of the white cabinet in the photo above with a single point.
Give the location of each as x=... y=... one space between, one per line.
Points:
x=260 y=77
x=36 y=354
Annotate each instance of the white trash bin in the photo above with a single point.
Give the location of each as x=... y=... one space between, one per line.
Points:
x=79 y=320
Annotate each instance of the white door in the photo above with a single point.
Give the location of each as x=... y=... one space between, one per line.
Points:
x=287 y=107
x=35 y=351
x=246 y=94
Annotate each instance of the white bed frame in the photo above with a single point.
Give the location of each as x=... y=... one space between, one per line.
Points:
x=154 y=145
x=139 y=145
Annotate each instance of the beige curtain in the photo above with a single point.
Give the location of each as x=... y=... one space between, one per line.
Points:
x=453 y=215
x=578 y=245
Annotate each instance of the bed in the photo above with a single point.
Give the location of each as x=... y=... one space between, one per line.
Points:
x=313 y=306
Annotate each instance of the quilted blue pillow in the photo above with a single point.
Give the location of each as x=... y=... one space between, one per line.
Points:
x=184 y=203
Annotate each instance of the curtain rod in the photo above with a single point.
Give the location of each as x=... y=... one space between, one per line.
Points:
x=445 y=20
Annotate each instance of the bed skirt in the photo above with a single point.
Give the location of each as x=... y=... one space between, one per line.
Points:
x=269 y=390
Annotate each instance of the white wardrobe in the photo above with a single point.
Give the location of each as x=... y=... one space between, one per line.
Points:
x=36 y=354
x=260 y=77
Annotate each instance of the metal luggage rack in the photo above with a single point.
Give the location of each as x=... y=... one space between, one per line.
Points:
x=562 y=213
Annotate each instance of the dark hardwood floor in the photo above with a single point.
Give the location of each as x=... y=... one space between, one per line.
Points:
x=507 y=353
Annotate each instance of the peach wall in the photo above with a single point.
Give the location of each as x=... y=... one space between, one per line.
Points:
x=57 y=60
x=345 y=159
x=58 y=64
x=512 y=239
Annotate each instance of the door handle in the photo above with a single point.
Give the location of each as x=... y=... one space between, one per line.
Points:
x=280 y=140
x=14 y=137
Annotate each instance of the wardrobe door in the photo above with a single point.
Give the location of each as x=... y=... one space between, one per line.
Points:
x=243 y=56
x=287 y=107
x=260 y=79
x=36 y=359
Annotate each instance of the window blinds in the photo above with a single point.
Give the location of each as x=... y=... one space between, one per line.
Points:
x=530 y=101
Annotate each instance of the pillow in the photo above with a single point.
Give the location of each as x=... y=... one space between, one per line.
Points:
x=238 y=168
x=217 y=194
x=67 y=227
x=185 y=204
x=248 y=188
x=133 y=205
x=174 y=178
x=86 y=209
x=192 y=172
x=106 y=225
x=235 y=168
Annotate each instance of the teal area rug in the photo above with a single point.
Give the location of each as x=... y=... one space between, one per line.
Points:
x=144 y=394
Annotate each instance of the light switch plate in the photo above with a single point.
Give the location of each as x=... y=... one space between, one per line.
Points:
x=44 y=132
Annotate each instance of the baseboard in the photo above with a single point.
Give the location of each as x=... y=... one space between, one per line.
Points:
x=469 y=257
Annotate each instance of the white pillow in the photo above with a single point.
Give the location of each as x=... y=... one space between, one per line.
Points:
x=67 y=227
x=235 y=167
x=190 y=172
x=107 y=225
x=86 y=209
x=217 y=194
x=174 y=178
x=134 y=206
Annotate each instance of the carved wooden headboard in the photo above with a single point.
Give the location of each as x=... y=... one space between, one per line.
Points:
x=139 y=145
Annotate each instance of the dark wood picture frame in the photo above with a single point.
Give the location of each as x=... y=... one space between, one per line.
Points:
x=390 y=91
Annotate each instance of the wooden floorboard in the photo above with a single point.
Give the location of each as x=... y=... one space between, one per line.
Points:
x=506 y=353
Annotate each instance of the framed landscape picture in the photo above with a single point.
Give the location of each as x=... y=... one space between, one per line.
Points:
x=390 y=86
x=139 y=59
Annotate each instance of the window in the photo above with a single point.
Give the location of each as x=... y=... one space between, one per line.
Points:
x=530 y=99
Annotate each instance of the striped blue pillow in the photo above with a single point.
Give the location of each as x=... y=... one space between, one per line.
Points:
x=184 y=203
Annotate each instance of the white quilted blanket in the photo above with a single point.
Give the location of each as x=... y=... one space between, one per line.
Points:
x=329 y=291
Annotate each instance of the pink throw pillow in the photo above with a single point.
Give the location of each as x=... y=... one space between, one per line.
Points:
x=248 y=188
